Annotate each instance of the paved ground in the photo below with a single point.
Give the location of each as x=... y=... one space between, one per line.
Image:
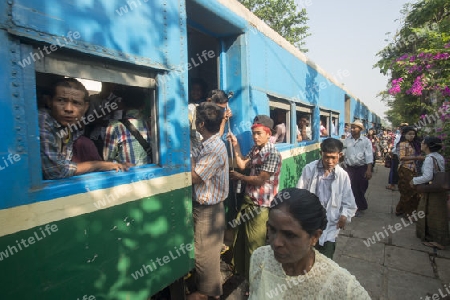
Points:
x=397 y=266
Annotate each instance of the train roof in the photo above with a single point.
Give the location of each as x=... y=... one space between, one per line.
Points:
x=240 y=10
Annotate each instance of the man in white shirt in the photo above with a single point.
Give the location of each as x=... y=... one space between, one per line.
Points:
x=358 y=158
x=331 y=184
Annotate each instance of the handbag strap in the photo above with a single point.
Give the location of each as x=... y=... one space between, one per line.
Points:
x=147 y=147
x=435 y=164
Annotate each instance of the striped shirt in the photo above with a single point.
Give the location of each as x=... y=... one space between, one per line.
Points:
x=211 y=165
x=358 y=152
x=121 y=145
x=56 y=150
x=266 y=159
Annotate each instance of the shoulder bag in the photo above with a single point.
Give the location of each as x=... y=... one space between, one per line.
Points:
x=439 y=184
x=388 y=160
x=147 y=147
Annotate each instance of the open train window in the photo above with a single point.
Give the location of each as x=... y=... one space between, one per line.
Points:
x=325 y=123
x=304 y=128
x=116 y=93
x=280 y=113
x=334 y=126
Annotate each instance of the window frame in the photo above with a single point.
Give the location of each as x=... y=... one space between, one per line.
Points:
x=283 y=104
x=88 y=66
x=308 y=110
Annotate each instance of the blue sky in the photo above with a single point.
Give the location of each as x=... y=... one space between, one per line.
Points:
x=346 y=35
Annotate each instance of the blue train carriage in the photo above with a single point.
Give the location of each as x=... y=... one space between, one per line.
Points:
x=128 y=235
x=272 y=77
x=100 y=235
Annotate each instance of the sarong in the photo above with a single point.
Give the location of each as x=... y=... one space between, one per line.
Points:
x=409 y=198
x=251 y=234
x=434 y=226
x=209 y=230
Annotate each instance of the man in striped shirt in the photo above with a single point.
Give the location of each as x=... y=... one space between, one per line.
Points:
x=264 y=162
x=210 y=180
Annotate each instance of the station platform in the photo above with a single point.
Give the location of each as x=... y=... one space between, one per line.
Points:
x=395 y=267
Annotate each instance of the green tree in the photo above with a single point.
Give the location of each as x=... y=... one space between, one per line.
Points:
x=283 y=16
x=417 y=61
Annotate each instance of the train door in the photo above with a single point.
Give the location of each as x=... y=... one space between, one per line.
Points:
x=203 y=53
x=214 y=48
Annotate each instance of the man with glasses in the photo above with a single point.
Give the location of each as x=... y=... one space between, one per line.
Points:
x=59 y=131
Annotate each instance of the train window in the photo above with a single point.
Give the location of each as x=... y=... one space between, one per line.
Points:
x=334 y=123
x=280 y=114
x=325 y=123
x=304 y=128
x=117 y=97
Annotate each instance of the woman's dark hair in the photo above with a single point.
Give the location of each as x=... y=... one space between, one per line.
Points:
x=211 y=114
x=331 y=145
x=304 y=206
x=434 y=143
x=415 y=143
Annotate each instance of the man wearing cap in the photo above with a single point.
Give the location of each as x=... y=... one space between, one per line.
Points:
x=264 y=162
x=358 y=160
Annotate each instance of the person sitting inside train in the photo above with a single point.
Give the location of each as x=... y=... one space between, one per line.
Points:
x=96 y=130
x=197 y=91
x=280 y=129
x=323 y=129
x=303 y=129
x=128 y=140
x=60 y=126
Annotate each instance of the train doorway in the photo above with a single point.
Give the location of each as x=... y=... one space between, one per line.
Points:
x=203 y=64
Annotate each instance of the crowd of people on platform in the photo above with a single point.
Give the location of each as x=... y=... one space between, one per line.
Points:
x=289 y=237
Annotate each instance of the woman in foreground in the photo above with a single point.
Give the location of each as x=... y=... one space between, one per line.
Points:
x=290 y=268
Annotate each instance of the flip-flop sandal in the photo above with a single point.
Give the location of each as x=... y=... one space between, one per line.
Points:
x=433 y=245
x=437 y=245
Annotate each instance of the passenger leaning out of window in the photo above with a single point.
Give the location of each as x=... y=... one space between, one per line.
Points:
x=128 y=140
x=60 y=127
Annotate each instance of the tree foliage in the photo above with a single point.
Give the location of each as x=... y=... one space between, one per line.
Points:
x=417 y=61
x=283 y=16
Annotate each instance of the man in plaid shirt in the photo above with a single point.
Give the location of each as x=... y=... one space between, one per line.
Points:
x=264 y=162
x=58 y=132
